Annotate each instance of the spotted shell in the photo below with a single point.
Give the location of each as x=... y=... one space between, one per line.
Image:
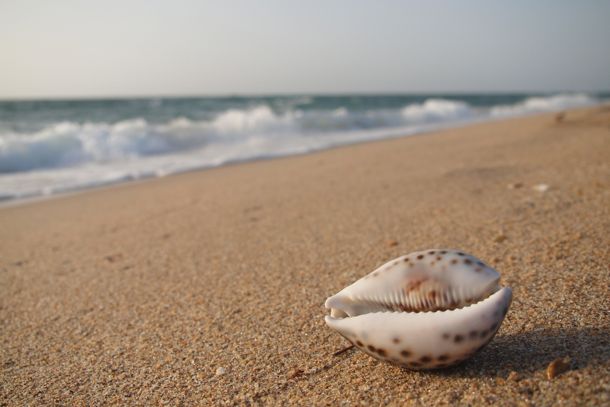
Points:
x=425 y=310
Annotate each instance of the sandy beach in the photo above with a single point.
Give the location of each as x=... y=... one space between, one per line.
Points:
x=208 y=288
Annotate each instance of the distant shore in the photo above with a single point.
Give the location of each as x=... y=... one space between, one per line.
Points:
x=208 y=287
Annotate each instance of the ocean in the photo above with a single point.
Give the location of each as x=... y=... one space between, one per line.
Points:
x=54 y=146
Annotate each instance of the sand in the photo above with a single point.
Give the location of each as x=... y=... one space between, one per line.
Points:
x=208 y=287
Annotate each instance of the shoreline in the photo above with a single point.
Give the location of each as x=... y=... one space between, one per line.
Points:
x=391 y=135
x=209 y=286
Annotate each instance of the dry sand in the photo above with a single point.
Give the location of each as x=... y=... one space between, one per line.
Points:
x=208 y=287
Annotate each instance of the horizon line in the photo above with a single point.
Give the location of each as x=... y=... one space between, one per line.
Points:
x=288 y=94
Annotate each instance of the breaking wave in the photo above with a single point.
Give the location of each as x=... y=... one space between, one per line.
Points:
x=68 y=144
x=70 y=155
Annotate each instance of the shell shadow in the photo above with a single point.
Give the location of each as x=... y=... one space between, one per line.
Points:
x=532 y=351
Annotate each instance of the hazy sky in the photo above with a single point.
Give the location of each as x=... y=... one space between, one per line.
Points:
x=64 y=48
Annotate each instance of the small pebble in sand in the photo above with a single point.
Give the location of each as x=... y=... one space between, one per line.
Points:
x=557 y=367
x=559 y=117
x=515 y=185
x=541 y=187
x=500 y=238
x=295 y=373
x=114 y=257
x=392 y=243
x=513 y=377
x=220 y=371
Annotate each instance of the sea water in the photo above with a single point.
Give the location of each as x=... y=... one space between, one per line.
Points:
x=49 y=147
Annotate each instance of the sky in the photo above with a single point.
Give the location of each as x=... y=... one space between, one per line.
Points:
x=122 y=48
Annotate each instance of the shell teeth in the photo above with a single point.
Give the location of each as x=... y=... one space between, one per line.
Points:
x=419 y=300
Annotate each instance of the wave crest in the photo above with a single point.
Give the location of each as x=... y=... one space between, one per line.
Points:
x=437 y=110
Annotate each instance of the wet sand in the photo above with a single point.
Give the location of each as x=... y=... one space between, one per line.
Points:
x=208 y=287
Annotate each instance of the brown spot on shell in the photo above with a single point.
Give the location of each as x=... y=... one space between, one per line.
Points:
x=425 y=359
x=473 y=334
x=467 y=261
x=443 y=358
x=458 y=338
x=438 y=258
x=396 y=340
x=359 y=343
x=443 y=251
x=431 y=252
x=381 y=352
x=421 y=256
x=454 y=261
x=371 y=348
x=405 y=353
x=460 y=254
x=413 y=285
x=446 y=336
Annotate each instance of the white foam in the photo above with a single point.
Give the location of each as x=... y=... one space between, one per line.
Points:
x=543 y=104
x=437 y=110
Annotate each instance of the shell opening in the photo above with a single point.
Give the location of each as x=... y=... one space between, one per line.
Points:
x=430 y=296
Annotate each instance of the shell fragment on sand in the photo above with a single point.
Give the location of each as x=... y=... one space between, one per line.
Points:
x=541 y=187
x=557 y=367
